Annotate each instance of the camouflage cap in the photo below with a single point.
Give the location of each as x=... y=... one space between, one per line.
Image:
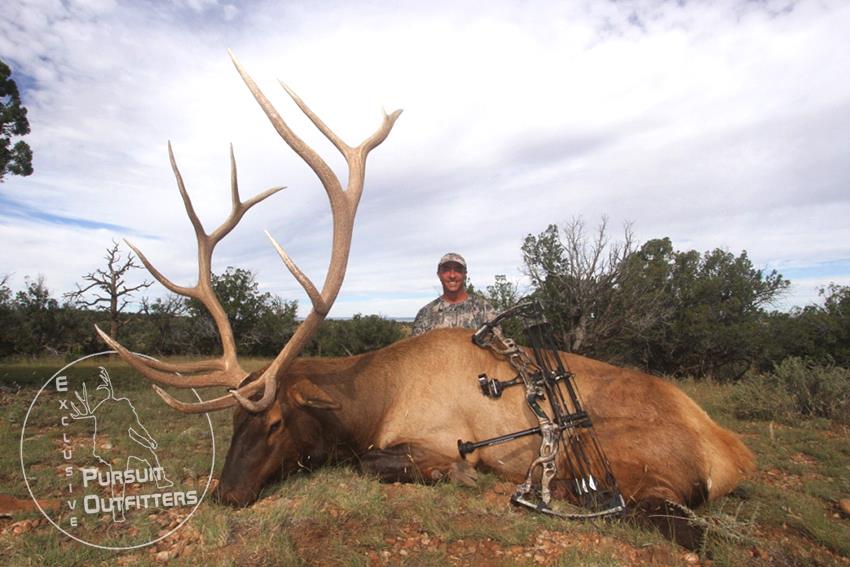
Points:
x=452 y=257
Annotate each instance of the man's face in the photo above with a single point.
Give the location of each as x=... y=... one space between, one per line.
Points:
x=452 y=275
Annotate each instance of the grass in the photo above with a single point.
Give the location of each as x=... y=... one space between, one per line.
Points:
x=786 y=514
x=594 y=558
x=804 y=469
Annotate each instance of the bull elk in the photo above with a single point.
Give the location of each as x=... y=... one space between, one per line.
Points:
x=401 y=410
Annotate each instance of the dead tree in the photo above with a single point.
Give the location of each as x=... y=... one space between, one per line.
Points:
x=107 y=289
x=585 y=282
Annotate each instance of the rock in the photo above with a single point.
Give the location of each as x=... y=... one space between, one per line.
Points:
x=21 y=527
x=691 y=558
x=844 y=505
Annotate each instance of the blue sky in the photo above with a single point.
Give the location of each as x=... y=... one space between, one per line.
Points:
x=718 y=124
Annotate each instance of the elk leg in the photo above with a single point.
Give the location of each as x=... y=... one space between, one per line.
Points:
x=676 y=522
x=412 y=463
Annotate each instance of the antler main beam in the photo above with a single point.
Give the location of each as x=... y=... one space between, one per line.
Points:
x=226 y=371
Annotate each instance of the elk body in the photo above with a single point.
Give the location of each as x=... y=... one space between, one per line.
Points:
x=400 y=411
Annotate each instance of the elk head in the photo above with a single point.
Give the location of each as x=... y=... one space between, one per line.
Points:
x=254 y=394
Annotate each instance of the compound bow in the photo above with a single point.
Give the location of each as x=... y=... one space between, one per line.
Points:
x=565 y=430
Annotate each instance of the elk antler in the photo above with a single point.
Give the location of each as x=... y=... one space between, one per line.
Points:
x=226 y=371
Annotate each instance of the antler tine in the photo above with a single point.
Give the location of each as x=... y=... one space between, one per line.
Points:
x=323 y=128
x=315 y=298
x=305 y=152
x=375 y=139
x=221 y=377
x=168 y=284
x=366 y=146
x=185 y=367
x=187 y=201
x=355 y=157
x=238 y=207
x=220 y=403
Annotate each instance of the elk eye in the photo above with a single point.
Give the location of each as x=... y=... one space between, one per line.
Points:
x=275 y=426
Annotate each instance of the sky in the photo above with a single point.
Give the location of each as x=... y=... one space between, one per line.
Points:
x=719 y=124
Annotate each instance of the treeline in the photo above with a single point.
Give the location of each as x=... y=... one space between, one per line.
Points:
x=650 y=306
x=34 y=323
x=674 y=312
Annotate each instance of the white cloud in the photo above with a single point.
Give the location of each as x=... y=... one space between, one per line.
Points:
x=718 y=124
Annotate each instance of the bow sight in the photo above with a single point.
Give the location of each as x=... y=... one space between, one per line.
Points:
x=566 y=431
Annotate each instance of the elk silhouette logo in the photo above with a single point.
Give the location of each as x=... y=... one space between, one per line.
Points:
x=119 y=417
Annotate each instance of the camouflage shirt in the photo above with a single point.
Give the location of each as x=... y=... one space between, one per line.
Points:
x=471 y=314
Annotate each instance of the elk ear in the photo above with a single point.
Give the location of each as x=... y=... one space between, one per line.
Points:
x=312 y=397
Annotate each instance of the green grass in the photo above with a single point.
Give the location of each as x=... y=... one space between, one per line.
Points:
x=804 y=469
x=785 y=514
x=46 y=548
x=592 y=558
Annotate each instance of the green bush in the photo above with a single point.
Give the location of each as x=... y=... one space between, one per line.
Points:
x=819 y=390
x=763 y=397
x=361 y=333
x=795 y=388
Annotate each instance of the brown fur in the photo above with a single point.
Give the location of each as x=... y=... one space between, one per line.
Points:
x=403 y=408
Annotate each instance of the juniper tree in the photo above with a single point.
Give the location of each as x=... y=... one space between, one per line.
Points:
x=14 y=159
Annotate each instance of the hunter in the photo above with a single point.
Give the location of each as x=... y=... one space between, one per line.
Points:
x=456 y=307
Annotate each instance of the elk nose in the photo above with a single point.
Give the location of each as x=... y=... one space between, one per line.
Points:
x=228 y=499
x=233 y=497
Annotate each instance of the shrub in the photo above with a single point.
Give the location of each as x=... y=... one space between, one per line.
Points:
x=819 y=390
x=763 y=397
x=795 y=388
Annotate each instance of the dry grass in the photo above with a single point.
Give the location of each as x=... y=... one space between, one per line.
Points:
x=785 y=515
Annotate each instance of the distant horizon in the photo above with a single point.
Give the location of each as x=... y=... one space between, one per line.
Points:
x=388 y=318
